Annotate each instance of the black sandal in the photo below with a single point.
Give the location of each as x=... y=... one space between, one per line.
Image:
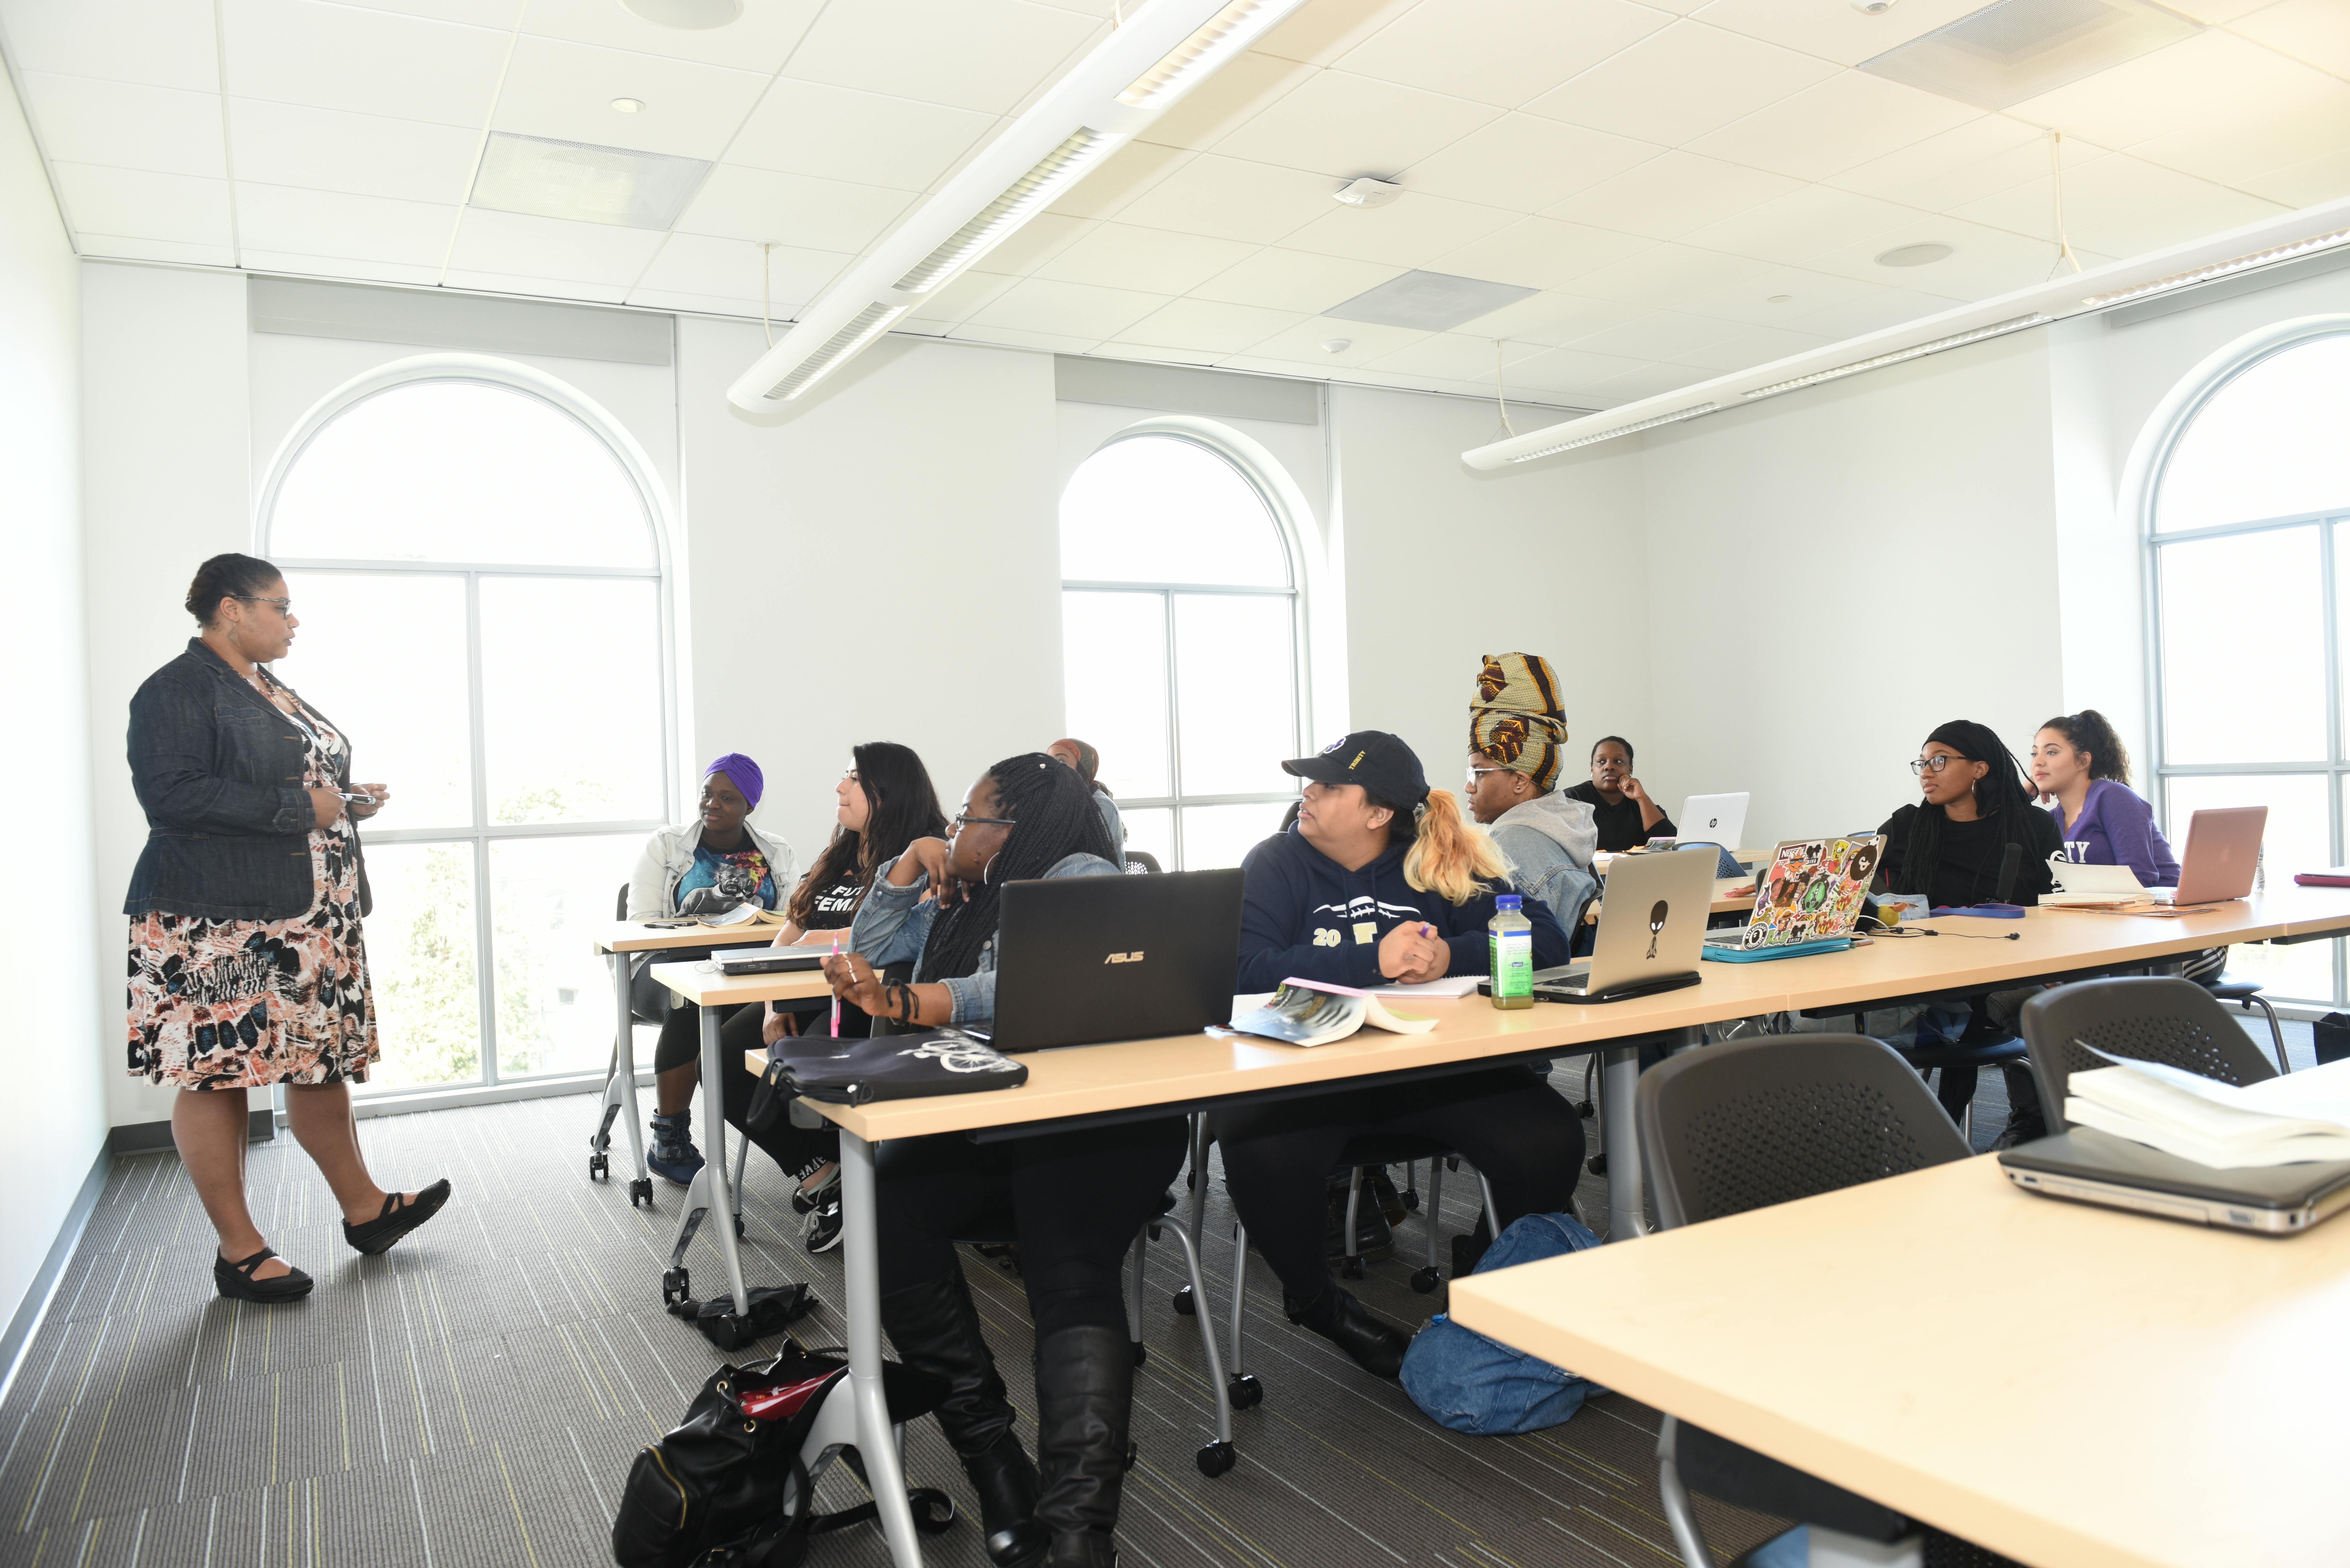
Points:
x=397 y=1220
x=235 y=1280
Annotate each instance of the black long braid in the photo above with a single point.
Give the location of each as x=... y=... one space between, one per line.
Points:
x=1055 y=818
x=2001 y=795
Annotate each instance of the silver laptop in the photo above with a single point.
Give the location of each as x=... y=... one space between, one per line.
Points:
x=1713 y=818
x=1652 y=925
x=2224 y=850
x=2087 y=1166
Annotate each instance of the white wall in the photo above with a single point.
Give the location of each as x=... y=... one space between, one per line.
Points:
x=67 y=1034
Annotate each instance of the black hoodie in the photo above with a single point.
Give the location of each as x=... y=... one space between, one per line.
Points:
x=1303 y=914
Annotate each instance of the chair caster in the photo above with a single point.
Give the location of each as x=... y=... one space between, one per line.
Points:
x=640 y=1192
x=600 y=1168
x=934 y=1510
x=1352 y=1268
x=1155 y=1232
x=1244 y=1391
x=1141 y=1353
x=1586 y=1109
x=1596 y=1165
x=1216 y=1458
x=1411 y=1199
x=739 y=1231
x=677 y=1286
x=1426 y=1280
x=1184 y=1306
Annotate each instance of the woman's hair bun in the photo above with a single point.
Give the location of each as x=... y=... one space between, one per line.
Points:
x=228 y=576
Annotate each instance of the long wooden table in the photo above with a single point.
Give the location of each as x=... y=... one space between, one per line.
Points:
x=1134 y=1079
x=2073 y=1387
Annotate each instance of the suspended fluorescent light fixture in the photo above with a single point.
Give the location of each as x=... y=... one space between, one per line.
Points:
x=2268 y=257
x=1649 y=424
x=1917 y=351
x=1131 y=78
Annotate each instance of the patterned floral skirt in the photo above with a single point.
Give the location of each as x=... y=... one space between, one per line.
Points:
x=230 y=1004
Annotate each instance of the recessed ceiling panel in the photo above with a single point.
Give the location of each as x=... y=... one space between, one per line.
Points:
x=2018 y=49
x=1429 y=301
x=550 y=179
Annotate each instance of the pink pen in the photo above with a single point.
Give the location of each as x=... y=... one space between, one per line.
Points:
x=835 y=995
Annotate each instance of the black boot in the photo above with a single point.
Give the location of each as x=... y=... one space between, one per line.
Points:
x=1085 y=1391
x=2024 y=1120
x=936 y=1330
x=1341 y=1320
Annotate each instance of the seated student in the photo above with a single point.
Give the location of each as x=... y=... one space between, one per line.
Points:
x=1516 y=731
x=1075 y=1200
x=2082 y=773
x=1381 y=880
x=1088 y=762
x=1620 y=805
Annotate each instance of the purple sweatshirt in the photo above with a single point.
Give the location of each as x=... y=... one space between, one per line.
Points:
x=2116 y=827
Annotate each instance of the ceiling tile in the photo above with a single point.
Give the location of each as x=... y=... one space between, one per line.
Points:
x=1857 y=317
x=2232 y=153
x=1209 y=326
x=1829 y=128
x=1660 y=335
x=365 y=154
x=1663 y=275
x=1540 y=253
x=1457 y=356
x=1569 y=370
x=137 y=204
x=1523 y=163
x=1282 y=279
x=1237 y=93
x=701 y=264
x=1675 y=86
x=1964 y=164
x=1984 y=260
x=519 y=244
x=2317 y=31
x=2210 y=75
x=1019 y=338
x=370 y=62
x=1154 y=354
x=1754 y=346
x=2217 y=12
x=1119 y=179
x=133 y=248
x=1556 y=318
x=1406 y=232
x=162 y=43
x=1035 y=242
x=984 y=54
x=1230 y=199
x=1076 y=309
x=761 y=205
x=837 y=133
x=348 y=267
x=1810 y=220
x=1673 y=194
x=538 y=287
x=1647 y=381
x=1837 y=32
x=1320 y=31
x=959 y=299
x=1798 y=292
x=1364 y=342
x=128 y=125
x=1343 y=126
x=2304 y=185
x=760 y=39
x=692 y=304
x=334 y=224
x=1501 y=52
x=1125 y=256
x=565 y=90
x=498 y=13
x=2121 y=205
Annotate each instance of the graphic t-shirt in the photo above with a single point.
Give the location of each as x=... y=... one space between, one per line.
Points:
x=832 y=909
x=724 y=880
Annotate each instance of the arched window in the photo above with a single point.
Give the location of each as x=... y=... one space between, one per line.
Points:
x=478 y=574
x=1180 y=645
x=2250 y=573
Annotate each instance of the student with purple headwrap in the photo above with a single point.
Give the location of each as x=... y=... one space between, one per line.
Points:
x=715 y=862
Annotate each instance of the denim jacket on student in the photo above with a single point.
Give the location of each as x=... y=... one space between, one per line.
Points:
x=218 y=770
x=893 y=923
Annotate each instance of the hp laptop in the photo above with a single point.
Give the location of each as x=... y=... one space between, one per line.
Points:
x=1651 y=924
x=2224 y=850
x=1807 y=898
x=2091 y=1167
x=1083 y=960
x=1713 y=819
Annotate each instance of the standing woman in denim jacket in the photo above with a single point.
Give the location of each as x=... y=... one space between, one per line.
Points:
x=246 y=964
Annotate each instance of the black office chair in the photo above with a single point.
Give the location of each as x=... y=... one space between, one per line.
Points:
x=1138 y=861
x=2246 y=993
x=1752 y=1123
x=2149 y=1018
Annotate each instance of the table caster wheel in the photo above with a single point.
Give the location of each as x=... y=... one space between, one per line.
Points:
x=1596 y=1165
x=1353 y=1268
x=1216 y=1458
x=677 y=1286
x=600 y=1166
x=1586 y=1109
x=1426 y=1280
x=640 y=1192
x=1411 y=1199
x=934 y=1511
x=739 y=1231
x=1244 y=1391
x=1141 y=1353
x=1184 y=1306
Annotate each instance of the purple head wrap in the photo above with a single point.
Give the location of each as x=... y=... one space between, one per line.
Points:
x=744 y=773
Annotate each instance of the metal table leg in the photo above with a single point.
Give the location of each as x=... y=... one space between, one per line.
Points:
x=710 y=1192
x=1619 y=1075
x=620 y=1095
x=861 y=1266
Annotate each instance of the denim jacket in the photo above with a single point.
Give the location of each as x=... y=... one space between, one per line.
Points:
x=893 y=924
x=218 y=770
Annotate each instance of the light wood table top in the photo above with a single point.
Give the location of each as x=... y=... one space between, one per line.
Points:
x=1187 y=1069
x=2073 y=1387
x=639 y=936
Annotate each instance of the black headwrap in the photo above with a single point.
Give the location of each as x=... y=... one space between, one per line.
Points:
x=1053 y=814
x=2002 y=796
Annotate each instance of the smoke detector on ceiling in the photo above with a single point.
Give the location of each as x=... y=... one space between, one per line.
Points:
x=1922 y=255
x=1367 y=192
x=1337 y=345
x=1872 y=7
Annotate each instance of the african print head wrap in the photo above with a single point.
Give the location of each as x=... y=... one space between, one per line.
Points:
x=1516 y=720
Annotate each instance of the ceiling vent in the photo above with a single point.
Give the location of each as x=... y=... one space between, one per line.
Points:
x=1429 y=301
x=2018 y=49
x=578 y=180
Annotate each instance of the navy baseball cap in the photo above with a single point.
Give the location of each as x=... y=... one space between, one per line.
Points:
x=1387 y=770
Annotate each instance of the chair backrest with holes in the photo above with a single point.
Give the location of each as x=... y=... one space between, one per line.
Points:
x=2151 y=1019
x=1756 y=1121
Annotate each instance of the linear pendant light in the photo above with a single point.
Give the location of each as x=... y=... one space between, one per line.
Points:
x=1131 y=78
x=2268 y=243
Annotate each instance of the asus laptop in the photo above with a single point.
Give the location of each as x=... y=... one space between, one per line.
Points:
x=1083 y=960
x=1651 y=924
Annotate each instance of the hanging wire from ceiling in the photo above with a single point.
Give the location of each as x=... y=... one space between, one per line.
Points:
x=1501 y=401
x=767 y=325
x=2056 y=175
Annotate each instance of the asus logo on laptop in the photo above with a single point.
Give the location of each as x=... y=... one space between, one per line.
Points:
x=1124 y=958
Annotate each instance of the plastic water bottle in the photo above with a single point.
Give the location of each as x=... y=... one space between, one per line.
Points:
x=1510 y=950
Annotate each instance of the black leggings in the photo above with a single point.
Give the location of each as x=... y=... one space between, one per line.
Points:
x=1525 y=1140
x=1073 y=1200
x=799 y=1150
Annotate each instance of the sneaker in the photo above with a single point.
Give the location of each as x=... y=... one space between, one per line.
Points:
x=805 y=1199
x=822 y=1231
x=673 y=1156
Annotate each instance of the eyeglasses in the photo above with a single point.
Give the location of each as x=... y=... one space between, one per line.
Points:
x=1933 y=764
x=285 y=607
x=963 y=819
x=1476 y=774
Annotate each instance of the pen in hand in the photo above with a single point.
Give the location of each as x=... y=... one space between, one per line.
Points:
x=835 y=995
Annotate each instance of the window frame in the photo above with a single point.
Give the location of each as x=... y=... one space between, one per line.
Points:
x=481 y=833
x=1250 y=467
x=2169 y=427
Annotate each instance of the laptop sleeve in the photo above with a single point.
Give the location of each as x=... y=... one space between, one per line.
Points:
x=901 y=1067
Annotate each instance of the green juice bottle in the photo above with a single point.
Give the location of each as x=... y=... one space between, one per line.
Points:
x=1509 y=946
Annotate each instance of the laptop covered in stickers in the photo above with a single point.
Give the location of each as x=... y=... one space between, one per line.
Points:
x=1807 y=898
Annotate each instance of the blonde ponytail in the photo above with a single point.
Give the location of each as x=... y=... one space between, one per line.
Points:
x=1450 y=855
